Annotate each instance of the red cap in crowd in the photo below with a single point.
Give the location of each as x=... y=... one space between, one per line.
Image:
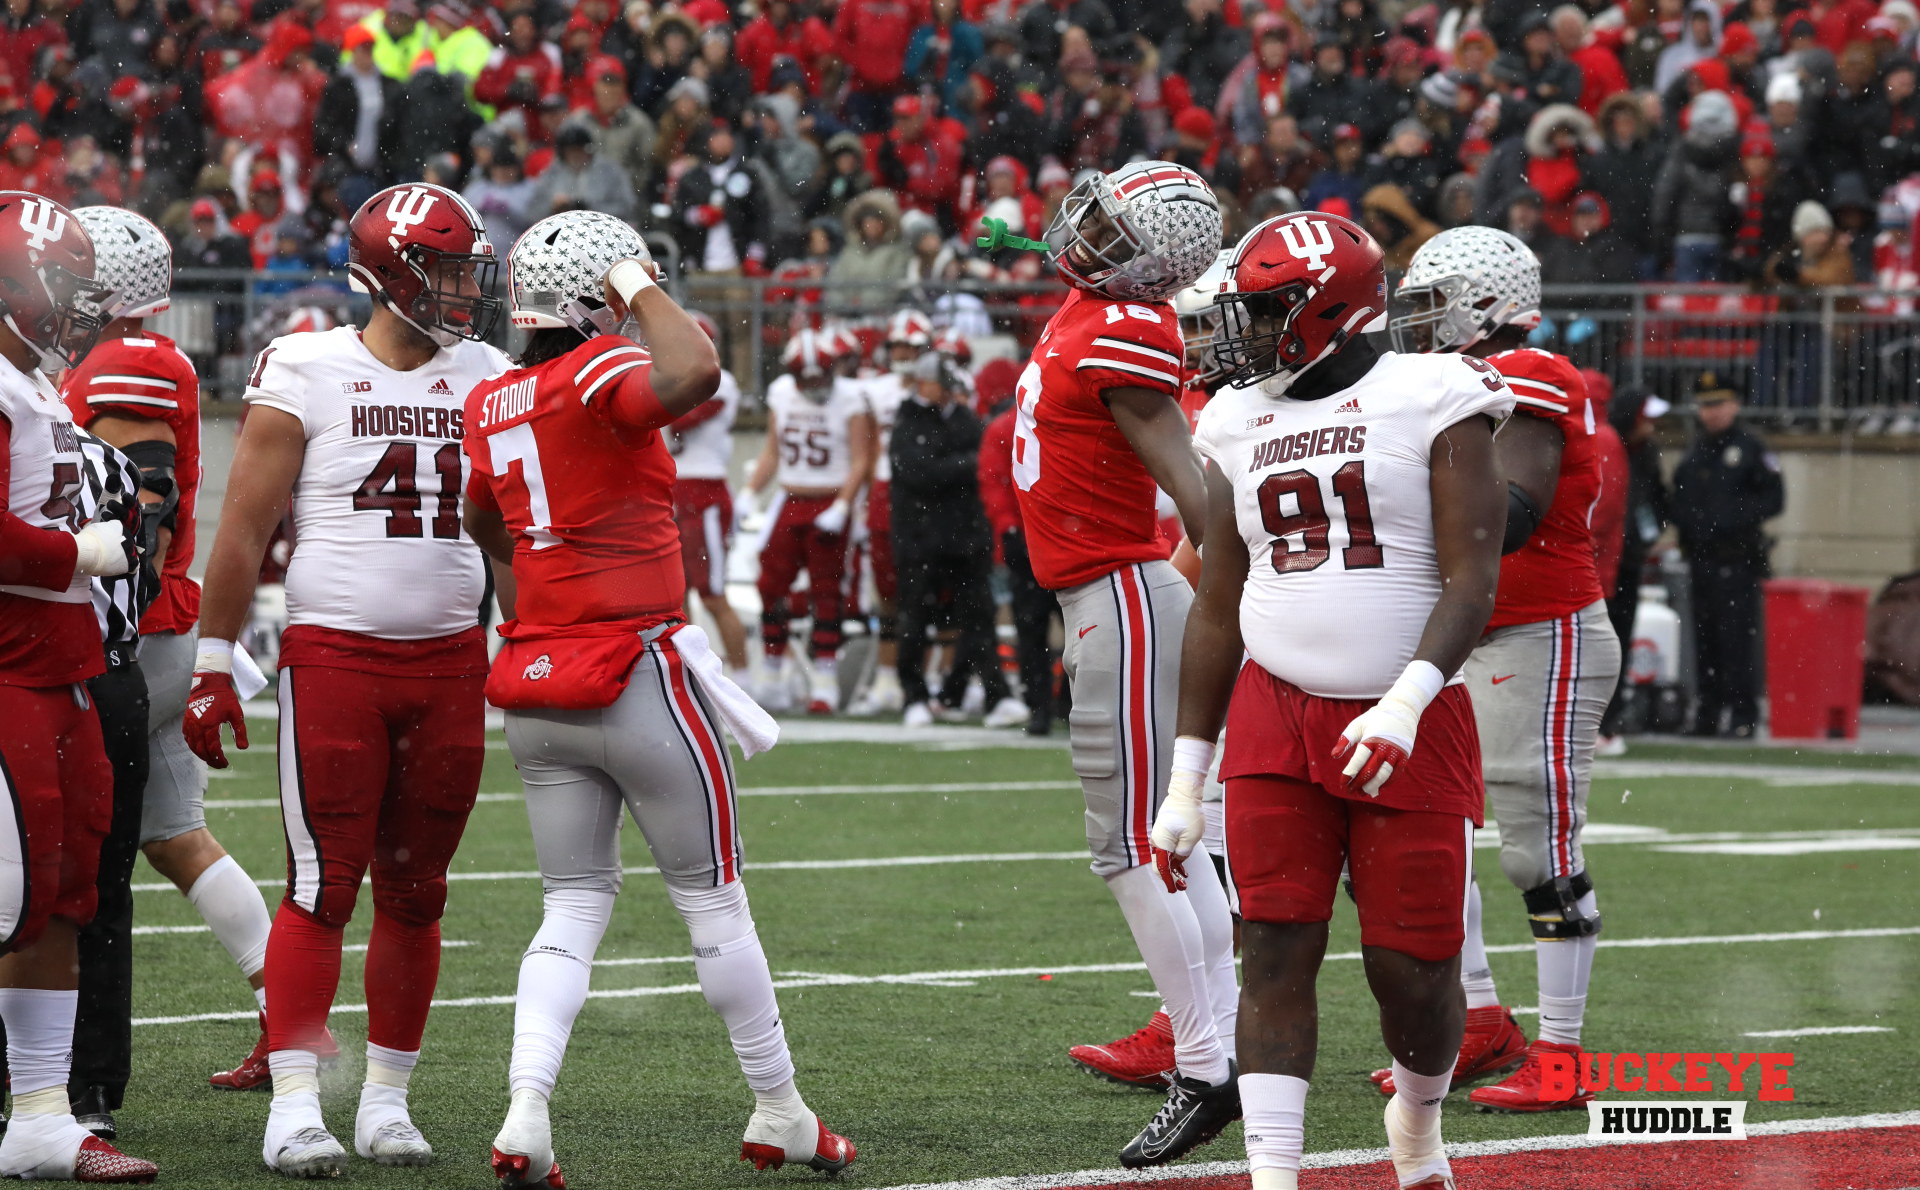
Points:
x=1196 y=122
x=355 y=37
x=907 y=107
x=1346 y=132
x=205 y=208
x=22 y=135
x=1757 y=144
x=605 y=67
x=1736 y=38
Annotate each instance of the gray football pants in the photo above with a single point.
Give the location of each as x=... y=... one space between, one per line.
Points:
x=175 y=800
x=656 y=753
x=1538 y=693
x=1123 y=636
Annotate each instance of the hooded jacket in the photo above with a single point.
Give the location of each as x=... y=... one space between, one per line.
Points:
x=1690 y=197
x=879 y=268
x=1392 y=203
x=1622 y=173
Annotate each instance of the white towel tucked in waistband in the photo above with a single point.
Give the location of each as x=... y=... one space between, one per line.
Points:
x=751 y=726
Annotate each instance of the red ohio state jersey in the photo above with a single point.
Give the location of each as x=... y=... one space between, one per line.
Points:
x=1554 y=574
x=1085 y=497
x=589 y=502
x=146 y=376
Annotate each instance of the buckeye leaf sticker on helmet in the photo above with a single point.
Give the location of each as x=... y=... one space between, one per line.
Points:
x=1140 y=233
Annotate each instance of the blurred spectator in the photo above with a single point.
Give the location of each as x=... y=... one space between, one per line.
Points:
x=1258 y=88
x=1331 y=97
x=920 y=159
x=1004 y=125
x=1454 y=206
x=625 y=134
x=581 y=179
x=873 y=257
x=943 y=51
x=1521 y=216
x=1006 y=196
x=1045 y=22
x=92 y=177
x=503 y=194
x=1698 y=42
x=25 y=31
x=1591 y=253
x=1204 y=48
x=1390 y=216
x=1398 y=87
x=1691 y=209
x=1545 y=75
x=1854 y=219
x=224 y=44
x=1890 y=127
x=269 y=101
x=779 y=32
x=521 y=72
x=1094 y=122
x=436 y=119
x=118 y=34
x=720 y=215
x=358 y=118
x=871 y=37
x=729 y=84
x=287 y=268
x=1771 y=189
x=266 y=202
x=1551 y=159
x=399 y=37
x=205 y=245
x=846 y=176
x=28 y=167
x=1629 y=157
x=1362 y=35
x=785 y=164
x=1601 y=76
x=666 y=62
x=1791 y=131
x=1793 y=348
x=458 y=47
x=1283 y=158
x=686 y=114
x=1345 y=176
x=1408 y=164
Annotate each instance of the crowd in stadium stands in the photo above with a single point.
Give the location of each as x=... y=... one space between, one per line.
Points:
x=862 y=140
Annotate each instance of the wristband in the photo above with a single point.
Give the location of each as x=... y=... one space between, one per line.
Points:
x=1192 y=755
x=213 y=656
x=628 y=278
x=1420 y=683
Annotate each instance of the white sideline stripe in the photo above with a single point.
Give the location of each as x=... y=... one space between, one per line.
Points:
x=1345 y=1157
x=778 y=865
x=1820 y=1031
x=265 y=803
x=1792 y=847
x=964 y=977
x=173 y=931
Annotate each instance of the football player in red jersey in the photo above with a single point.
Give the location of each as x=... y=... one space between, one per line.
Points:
x=382 y=720
x=55 y=783
x=1098 y=425
x=137 y=391
x=613 y=701
x=1542 y=675
x=1349 y=486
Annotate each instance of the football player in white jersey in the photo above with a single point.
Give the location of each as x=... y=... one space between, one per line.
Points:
x=363 y=430
x=702 y=446
x=909 y=335
x=820 y=447
x=1352 y=551
x=56 y=786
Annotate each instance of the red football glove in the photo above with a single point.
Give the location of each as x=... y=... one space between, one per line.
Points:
x=212 y=702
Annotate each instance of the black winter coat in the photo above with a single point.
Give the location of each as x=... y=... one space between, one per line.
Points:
x=1725 y=488
x=936 y=483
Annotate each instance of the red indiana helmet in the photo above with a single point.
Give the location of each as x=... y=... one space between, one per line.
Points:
x=809 y=358
x=1299 y=288
x=48 y=296
x=423 y=252
x=952 y=344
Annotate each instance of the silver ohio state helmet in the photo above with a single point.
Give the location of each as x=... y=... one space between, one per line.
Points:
x=1463 y=285
x=557 y=269
x=1200 y=316
x=1142 y=232
x=130 y=257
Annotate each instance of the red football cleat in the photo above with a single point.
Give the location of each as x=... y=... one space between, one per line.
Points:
x=831 y=1152
x=254 y=1073
x=512 y=1170
x=98 y=1161
x=1141 y=1060
x=1521 y=1090
x=1493 y=1043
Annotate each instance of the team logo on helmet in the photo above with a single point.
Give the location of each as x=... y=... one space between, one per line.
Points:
x=43 y=221
x=408 y=206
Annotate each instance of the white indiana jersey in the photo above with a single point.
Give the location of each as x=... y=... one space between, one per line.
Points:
x=1334 y=500
x=45 y=467
x=378 y=547
x=885 y=392
x=706 y=450
x=816 y=443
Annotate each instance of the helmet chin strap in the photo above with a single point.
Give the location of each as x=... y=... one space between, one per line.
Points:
x=51 y=360
x=586 y=319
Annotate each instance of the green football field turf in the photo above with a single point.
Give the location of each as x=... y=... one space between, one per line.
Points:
x=955 y=1067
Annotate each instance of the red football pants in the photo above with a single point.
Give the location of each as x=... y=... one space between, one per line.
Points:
x=375 y=770
x=56 y=802
x=793 y=544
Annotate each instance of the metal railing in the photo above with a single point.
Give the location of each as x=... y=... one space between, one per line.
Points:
x=1806 y=359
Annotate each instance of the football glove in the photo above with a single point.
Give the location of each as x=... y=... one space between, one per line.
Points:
x=1381 y=739
x=210 y=703
x=1180 y=823
x=834 y=520
x=104 y=549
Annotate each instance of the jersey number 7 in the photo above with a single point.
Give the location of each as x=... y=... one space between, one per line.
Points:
x=1309 y=520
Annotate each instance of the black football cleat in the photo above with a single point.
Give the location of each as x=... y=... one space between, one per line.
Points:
x=90 y=1111
x=1194 y=1114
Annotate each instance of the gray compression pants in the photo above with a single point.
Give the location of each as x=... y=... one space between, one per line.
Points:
x=656 y=753
x=1123 y=657
x=176 y=794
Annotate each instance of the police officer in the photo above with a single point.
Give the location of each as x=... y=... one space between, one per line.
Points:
x=1725 y=488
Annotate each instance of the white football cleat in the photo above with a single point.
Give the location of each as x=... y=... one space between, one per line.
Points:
x=383 y=1131
x=774 y=691
x=1008 y=712
x=308 y=1151
x=881 y=697
x=823 y=695
x=771 y=1142
x=918 y=715
x=1419 y=1155
x=523 y=1152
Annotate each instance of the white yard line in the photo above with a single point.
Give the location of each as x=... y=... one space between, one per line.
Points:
x=1820 y=1031
x=966 y=977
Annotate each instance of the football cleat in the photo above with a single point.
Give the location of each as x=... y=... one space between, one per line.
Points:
x=1521 y=1090
x=90 y=1111
x=1008 y=712
x=1493 y=1043
x=1144 y=1059
x=831 y=1151
x=882 y=697
x=309 y=1152
x=918 y=715
x=823 y=695
x=254 y=1074
x=55 y=1148
x=515 y=1171
x=1419 y=1157
x=383 y=1132
x=523 y=1152
x=774 y=692
x=1194 y=1114
x=99 y=1162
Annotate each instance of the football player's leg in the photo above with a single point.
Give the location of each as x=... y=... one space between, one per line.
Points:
x=886 y=694
x=1286 y=842
x=1210 y=909
x=780 y=564
x=666 y=750
x=827 y=589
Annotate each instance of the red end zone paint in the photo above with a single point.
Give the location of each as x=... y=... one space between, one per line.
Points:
x=1881 y=1159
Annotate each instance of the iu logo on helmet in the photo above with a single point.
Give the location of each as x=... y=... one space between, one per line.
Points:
x=43 y=222
x=1310 y=240
x=406 y=208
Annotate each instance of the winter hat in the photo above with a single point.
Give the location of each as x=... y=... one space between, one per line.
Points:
x=1196 y=122
x=1784 y=88
x=1810 y=217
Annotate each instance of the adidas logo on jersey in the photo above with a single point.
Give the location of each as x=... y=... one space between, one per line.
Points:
x=542 y=667
x=441 y=389
x=1352 y=406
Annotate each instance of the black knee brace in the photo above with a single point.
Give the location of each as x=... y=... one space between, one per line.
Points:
x=1553 y=909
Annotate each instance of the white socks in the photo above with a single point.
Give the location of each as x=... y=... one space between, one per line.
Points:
x=732 y=969
x=554 y=974
x=1210 y=910
x=1420 y=1094
x=390 y=1068
x=1565 y=968
x=1167 y=932
x=1275 y=1107
x=39 y=1041
x=233 y=909
x=1476 y=974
